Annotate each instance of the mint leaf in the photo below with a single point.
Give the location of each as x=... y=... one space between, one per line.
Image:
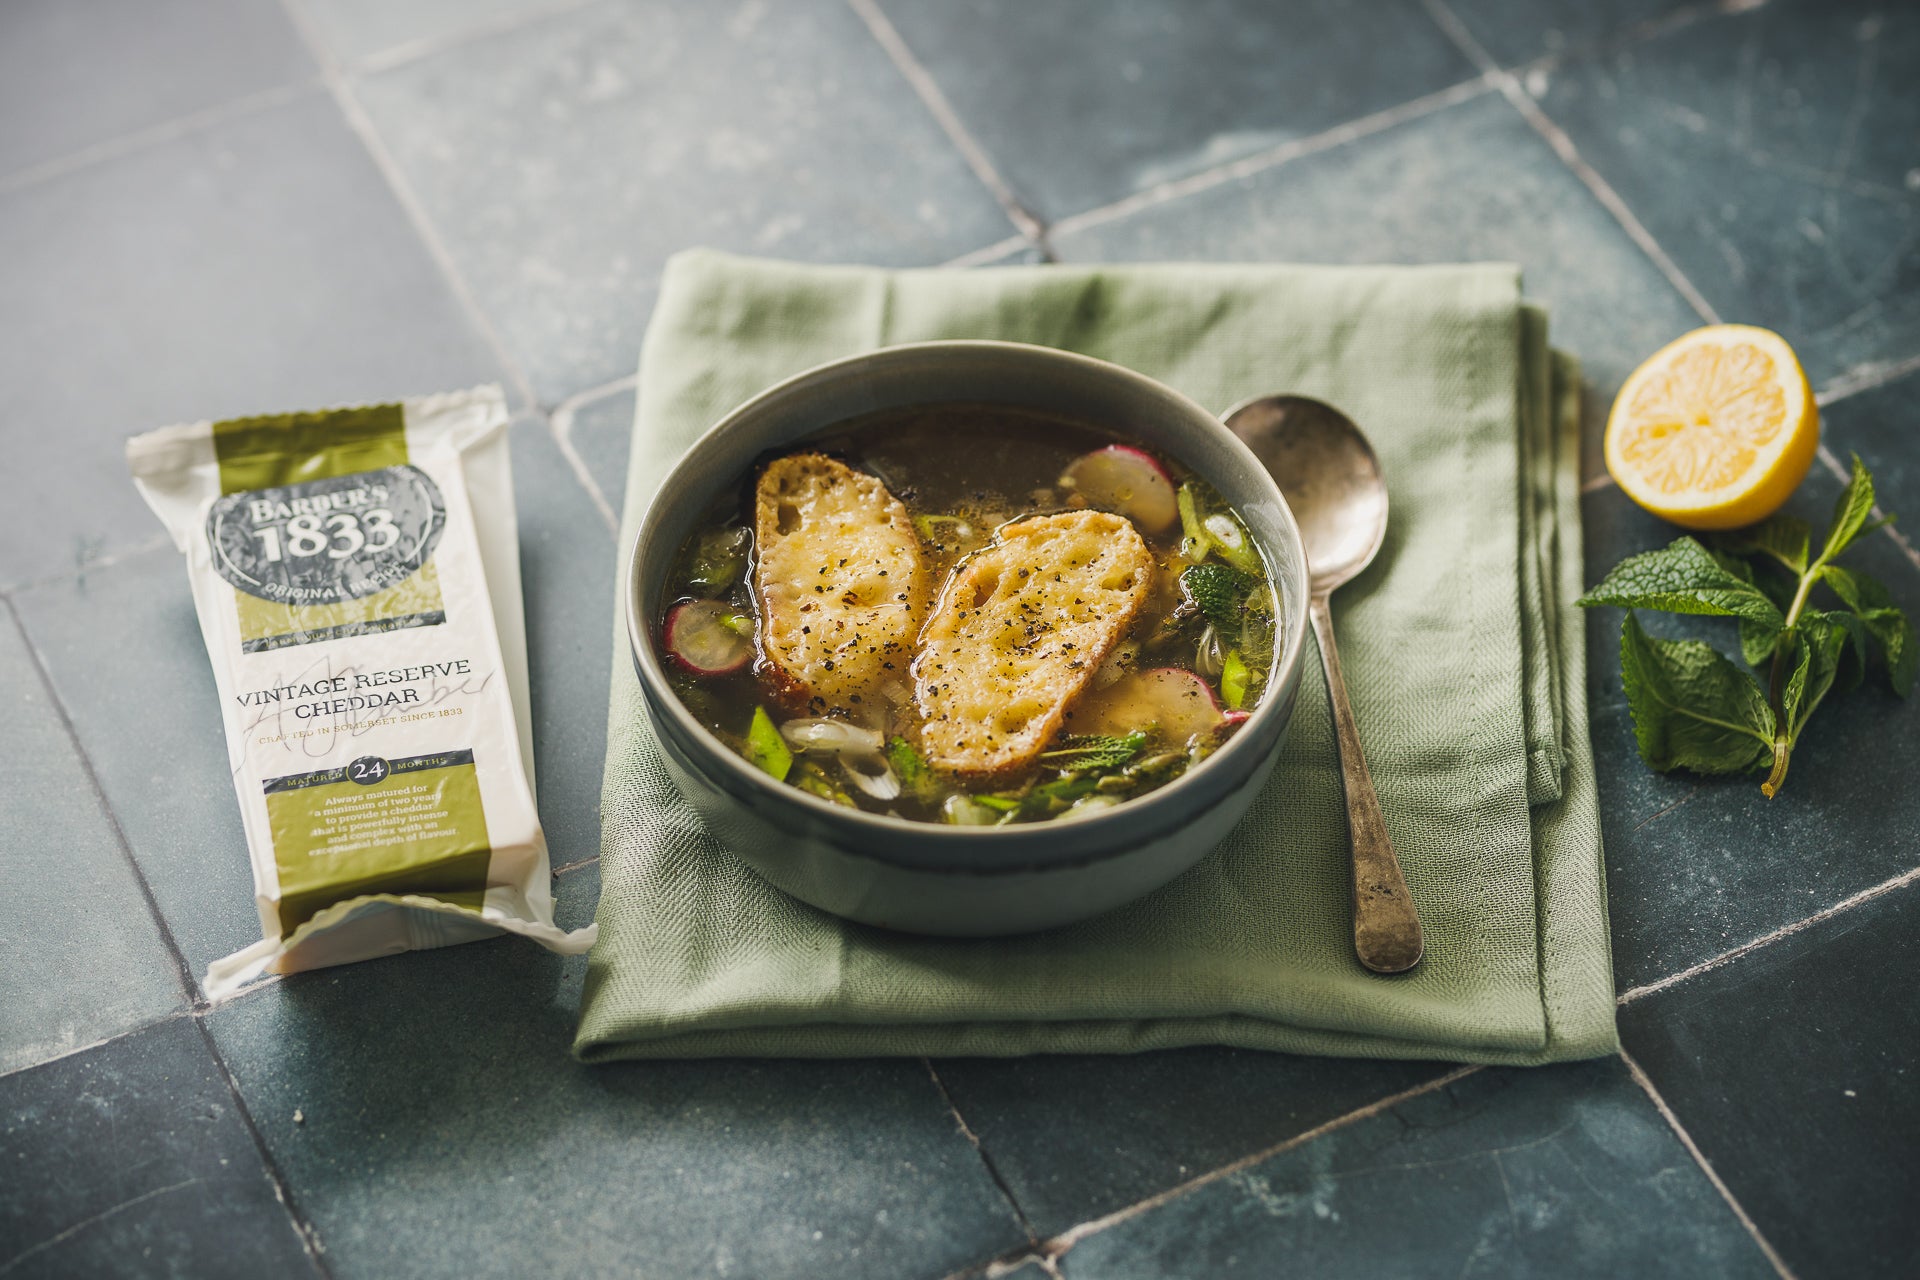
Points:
x=1850 y=512
x=1820 y=645
x=1692 y=708
x=1684 y=578
x=1783 y=538
x=1095 y=751
x=1757 y=641
x=1853 y=657
x=1883 y=620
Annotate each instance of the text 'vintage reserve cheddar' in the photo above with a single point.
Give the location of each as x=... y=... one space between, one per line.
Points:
x=357 y=578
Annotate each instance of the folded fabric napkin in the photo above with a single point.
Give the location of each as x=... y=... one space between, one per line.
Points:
x=1464 y=661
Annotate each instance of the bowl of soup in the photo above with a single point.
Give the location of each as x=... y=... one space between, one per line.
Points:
x=968 y=638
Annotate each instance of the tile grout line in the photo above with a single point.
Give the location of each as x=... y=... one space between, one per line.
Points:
x=1725 y=958
x=1486 y=80
x=988 y=253
x=560 y=425
x=1058 y=1245
x=1866 y=377
x=561 y=433
x=283 y=1192
x=362 y=127
x=1522 y=102
x=170 y=1016
x=119 y=555
x=935 y=101
x=1273 y=157
x=165 y=131
x=973 y=1140
x=183 y=971
x=399 y=55
x=1699 y=1157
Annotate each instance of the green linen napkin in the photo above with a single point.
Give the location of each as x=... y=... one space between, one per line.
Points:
x=1464 y=662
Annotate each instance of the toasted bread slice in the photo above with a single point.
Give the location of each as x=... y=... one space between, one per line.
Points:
x=840 y=578
x=1019 y=631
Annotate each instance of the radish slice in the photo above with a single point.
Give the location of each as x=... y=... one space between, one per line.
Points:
x=1176 y=702
x=702 y=637
x=1128 y=482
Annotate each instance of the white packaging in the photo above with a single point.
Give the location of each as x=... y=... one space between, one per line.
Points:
x=357 y=577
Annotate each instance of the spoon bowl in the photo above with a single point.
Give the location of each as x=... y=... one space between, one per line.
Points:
x=1330 y=476
x=1331 y=479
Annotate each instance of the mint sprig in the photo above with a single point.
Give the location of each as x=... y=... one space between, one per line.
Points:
x=1695 y=709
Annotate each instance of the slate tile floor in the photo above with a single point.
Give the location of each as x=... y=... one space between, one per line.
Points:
x=218 y=206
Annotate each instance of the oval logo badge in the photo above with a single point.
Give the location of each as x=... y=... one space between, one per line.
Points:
x=329 y=540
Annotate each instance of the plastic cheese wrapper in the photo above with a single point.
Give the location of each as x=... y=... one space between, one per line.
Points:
x=357 y=576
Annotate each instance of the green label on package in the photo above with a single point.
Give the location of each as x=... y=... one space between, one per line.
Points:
x=414 y=825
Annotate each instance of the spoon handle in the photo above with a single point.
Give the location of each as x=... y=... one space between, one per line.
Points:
x=1386 y=928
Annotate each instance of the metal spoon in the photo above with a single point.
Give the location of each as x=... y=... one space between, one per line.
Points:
x=1332 y=481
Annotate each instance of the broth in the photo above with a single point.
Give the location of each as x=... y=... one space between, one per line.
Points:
x=982 y=485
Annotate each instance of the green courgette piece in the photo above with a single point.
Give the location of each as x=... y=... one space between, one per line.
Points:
x=1233 y=680
x=766 y=748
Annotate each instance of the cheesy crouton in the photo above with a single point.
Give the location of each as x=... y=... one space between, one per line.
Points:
x=839 y=576
x=1019 y=631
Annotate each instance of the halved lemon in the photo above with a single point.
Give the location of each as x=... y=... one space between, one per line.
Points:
x=1716 y=429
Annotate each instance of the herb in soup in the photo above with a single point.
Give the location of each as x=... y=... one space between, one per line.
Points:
x=971 y=614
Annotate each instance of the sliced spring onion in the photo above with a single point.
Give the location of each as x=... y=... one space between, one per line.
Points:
x=873 y=775
x=766 y=748
x=962 y=811
x=831 y=737
x=1230 y=539
x=1194 y=541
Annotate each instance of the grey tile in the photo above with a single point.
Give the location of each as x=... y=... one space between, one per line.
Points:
x=566 y=568
x=602 y=433
x=1697 y=866
x=565 y=161
x=1080 y=104
x=126 y=659
x=1793 y=1069
x=1514 y=33
x=1470 y=182
x=130 y=1159
x=357 y=29
x=256 y=265
x=444 y=1120
x=76 y=75
x=1770 y=152
x=1561 y=1171
x=1079 y=1137
x=79 y=951
x=1879 y=426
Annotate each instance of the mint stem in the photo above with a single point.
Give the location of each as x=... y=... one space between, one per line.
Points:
x=1777 y=683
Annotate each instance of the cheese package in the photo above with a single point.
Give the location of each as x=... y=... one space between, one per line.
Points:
x=357 y=578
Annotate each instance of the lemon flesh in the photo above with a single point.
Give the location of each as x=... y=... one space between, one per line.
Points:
x=1716 y=429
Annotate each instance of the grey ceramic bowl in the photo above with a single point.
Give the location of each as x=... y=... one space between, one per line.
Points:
x=926 y=877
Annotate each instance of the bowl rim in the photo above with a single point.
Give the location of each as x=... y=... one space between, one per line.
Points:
x=1123 y=822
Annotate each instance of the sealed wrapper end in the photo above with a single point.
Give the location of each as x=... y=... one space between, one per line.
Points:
x=357 y=576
